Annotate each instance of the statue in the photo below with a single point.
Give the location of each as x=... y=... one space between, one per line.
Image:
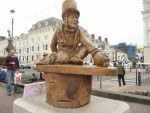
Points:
x=69 y=86
x=69 y=44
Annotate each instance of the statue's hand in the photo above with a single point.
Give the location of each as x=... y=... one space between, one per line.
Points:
x=99 y=58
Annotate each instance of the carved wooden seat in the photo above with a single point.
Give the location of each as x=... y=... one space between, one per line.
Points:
x=69 y=86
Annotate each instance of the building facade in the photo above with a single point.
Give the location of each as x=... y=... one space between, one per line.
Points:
x=30 y=46
x=146 y=30
x=96 y=42
x=116 y=55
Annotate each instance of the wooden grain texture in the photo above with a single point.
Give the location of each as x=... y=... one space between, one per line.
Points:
x=68 y=91
x=78 y=70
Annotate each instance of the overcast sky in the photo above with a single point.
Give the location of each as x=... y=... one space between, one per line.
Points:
x=118 y=20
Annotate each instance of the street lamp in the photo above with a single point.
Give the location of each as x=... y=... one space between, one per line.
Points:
x=12 y=16
x=10 y=40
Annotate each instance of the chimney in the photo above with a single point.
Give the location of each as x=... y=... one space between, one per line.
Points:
x=106 y=40
x=93 y=36
x=99 y=38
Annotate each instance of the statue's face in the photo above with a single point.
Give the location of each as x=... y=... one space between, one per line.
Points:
x=73 y=20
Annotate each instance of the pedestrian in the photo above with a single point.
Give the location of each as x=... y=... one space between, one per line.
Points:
x=121 y=73
x=2 y=73
x=12 y=64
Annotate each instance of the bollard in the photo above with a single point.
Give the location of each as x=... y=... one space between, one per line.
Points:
x=136 y=77
x=100 y=82
x=139 y=78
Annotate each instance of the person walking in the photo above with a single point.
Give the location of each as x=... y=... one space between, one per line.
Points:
x=121 y=73
x=12 y=64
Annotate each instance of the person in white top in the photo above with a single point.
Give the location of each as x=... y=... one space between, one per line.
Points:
x=17 y=77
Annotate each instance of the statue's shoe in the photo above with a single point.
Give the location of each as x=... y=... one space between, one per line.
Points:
x=43 y=62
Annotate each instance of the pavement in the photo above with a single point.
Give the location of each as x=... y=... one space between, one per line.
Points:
x=111 y=83
x=108 y=83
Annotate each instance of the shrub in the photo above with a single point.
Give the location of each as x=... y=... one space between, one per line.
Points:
x=147 y=93
x=2 y=60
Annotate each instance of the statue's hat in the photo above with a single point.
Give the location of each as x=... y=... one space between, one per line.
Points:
x=69 y=6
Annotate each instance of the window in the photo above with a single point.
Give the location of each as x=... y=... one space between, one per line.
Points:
x=33 y=27
x=32 y=57
x=57 y=23
x=27 y=50
x=38 y=48
x=46 y=23
x=46 y=47
x=118 y=57
x=39 y=25
x=32 y=48
x=19 y=50
x=27 y=58
x=19 y=58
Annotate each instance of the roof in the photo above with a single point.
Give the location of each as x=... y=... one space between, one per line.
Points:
x=46 y=22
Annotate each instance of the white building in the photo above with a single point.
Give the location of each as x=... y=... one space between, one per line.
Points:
x=98 y=43
x=146 y=30
x=30 y=46
x=116 y=55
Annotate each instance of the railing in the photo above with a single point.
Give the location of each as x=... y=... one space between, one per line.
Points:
x=134 y=82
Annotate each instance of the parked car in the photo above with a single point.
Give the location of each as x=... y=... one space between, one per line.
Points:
x=24 y=65
x=33 y=66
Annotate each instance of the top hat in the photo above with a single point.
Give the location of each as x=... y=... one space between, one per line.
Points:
x=69 y=6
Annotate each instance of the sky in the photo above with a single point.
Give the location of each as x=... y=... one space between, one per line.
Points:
x=117 y=20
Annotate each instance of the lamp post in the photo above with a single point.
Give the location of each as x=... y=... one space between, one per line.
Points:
x=10 y=40
x=12 y=16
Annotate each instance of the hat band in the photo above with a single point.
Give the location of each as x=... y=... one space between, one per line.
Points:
x=69 y=11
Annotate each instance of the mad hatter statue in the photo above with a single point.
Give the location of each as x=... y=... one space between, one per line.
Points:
x=69 y=44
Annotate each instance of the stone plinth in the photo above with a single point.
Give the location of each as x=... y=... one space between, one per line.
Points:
x=69 y=86
x=37 y=104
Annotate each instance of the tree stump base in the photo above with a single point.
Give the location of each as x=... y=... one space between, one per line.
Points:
x=69 y=86
x=68 y=91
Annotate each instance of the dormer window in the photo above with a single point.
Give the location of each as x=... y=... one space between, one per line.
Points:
x=39 y=25
x=33 y=27
x=57 y=23
x=46 y=23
